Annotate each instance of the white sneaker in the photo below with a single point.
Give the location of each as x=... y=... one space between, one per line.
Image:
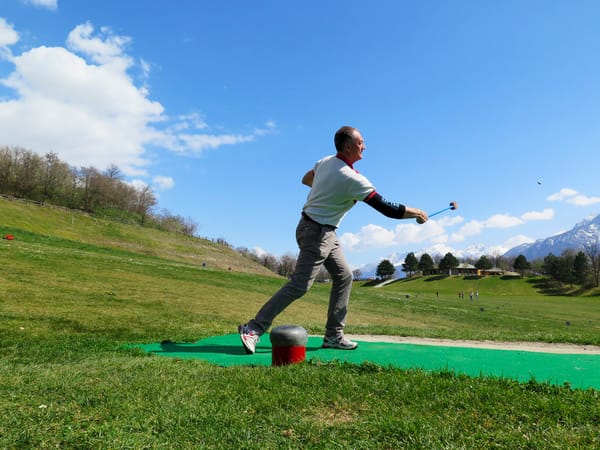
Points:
x=249 y=338
x=339 y=342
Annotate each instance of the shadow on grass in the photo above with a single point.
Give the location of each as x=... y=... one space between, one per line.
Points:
x=550 y=287
x=397 y=280
x=436 y=278
x=371 y=283
x=186 y=347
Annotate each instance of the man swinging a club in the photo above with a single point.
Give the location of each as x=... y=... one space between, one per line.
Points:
x=335 y=187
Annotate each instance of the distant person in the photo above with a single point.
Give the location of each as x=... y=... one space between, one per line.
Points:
x=335 y=187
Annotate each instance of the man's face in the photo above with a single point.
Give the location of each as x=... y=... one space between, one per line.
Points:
x=355 y=149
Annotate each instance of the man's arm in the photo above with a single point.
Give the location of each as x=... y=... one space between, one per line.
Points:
x=308 y=178
x=395 y=210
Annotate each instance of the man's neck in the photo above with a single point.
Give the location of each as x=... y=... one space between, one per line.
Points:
x=346 y=160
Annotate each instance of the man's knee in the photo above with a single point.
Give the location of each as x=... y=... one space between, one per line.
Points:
x=299 y=287
x=343 y=277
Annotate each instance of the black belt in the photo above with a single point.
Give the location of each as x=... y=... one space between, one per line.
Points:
x=307 y=217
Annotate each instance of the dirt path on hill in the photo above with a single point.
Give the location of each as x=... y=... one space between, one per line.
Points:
x=523 y=346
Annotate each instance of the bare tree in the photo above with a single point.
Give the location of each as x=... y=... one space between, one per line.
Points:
x=6 y=170
x=323 y=276
x=113 y=172
x=269 y=261
x=145 y=202
x=28 y=171
x=56 y=178
x=287 y=265
x=592 y=251
x=189 y=227
x=88 y=184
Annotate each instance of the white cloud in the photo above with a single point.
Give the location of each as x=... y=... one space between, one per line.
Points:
x=163 y=183
x=258 y=251
x=448 y=221
x=82 y=103
x=369 y=236
x=502 y=221
x=87 y=114
x=441 y=239
x=49 y=4
x=192 y=120
x=374 y=236
x=435 y=232
x=270 y=127
x=546 y=214
x=583 y=200
x=471 y=228
x=196 y=143
x=476 y=227
x=8 y=35
x=562 y=195
x=138 y=184
x=572 y=197
x=146 y=69
x=350 y=241
x=104 y=49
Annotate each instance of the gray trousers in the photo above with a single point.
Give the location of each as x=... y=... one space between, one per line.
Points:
x=319 y=246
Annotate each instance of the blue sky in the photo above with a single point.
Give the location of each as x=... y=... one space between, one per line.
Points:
x=221 y=107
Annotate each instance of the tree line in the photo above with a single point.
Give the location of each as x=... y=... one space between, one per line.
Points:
x=571 y=267
x=48 y=180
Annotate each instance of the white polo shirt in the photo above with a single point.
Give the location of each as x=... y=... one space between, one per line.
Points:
x=336 y=188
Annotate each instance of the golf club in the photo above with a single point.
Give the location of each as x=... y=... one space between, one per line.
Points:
x=453 y=206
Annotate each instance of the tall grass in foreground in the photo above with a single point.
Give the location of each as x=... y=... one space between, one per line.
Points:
x=67 y=307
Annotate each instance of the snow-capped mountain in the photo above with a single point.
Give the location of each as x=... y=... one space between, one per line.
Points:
x=577 y=238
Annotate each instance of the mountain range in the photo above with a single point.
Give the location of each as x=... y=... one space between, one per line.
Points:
x=580 y=236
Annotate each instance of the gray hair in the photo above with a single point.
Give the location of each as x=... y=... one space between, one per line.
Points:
x=343 y=136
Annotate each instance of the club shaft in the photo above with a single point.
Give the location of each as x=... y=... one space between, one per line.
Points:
x=440 y=211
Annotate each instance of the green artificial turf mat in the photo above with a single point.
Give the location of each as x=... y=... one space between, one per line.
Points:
x=578 y=371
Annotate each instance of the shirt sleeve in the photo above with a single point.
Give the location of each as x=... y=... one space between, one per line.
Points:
x=361 y=188
x=388 y=209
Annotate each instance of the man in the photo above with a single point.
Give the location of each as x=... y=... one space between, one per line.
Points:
x=335 y=187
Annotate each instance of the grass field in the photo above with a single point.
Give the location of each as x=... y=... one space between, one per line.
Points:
x=74 y=290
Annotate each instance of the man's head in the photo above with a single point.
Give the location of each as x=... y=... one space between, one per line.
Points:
x=349 y=143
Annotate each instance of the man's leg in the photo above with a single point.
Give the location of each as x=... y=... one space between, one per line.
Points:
x=341 y=276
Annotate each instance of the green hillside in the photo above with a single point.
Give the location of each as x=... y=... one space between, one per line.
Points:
x=18 y=216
